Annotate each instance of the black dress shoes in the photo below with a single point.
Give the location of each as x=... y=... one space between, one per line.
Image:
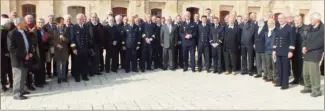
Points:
x=184 y=70
x=21 y=97
x=31 y=87
x=114 y=71
x=85 y=78
x=294 y=82
x=98 y=73
x=25 y=93
x=284 y=88
x=65 y=80
x=258 y=76
x=4 y=88
x=39 y=85
x=277 y=85
x=77 y=79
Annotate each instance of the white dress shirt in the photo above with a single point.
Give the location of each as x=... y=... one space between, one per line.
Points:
x=25 y=39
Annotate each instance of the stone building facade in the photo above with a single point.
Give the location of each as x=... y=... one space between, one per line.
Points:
x=42 y=8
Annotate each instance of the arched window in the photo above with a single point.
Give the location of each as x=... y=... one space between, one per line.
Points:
x=223 y=15
x=29 y=9
x=193 y=10
x=156 y=12
x=120 y=11
x=303 y=17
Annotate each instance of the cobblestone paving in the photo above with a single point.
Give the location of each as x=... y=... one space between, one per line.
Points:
x=164 y=90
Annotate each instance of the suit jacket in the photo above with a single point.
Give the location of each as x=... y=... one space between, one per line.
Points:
x=168 y=39
x=96 y=36
x=148 y=31
x=190 y=28
x=63 y=53
x=111 y=34
x=217 y=34
x=50 y=31
x=284 y=41
x=315 y=44
x=203 y=35
x=132 y=36
x=120 y=37
x=17 y=49
x=232 y=38
x=259 y=39
x=80 y=38
x=247 y=34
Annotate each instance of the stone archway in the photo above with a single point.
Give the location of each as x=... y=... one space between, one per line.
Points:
x=119 y=11
x=223 y=14
x=193 y=10
x=74 y=10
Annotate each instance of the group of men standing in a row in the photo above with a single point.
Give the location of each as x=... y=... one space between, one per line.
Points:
x=169 y=44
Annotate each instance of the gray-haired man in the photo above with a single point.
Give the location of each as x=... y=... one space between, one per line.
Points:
x=19 y=48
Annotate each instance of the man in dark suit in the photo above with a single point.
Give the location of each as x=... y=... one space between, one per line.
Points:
x=120 y=38
x=111 y=39
x=96 y=36
x=231 y=44
x=259 y=44
x=216 y=41
x=301 y=33
x=169 y=37
x=178 y=49
x=50 y=27
x=6 y=70
x=80 y=44
x=157 y=48
x=188 y=32
x=147 y=37
x=203 y=44
x=313 y=49
x=283 y=47
x=247 y=41
x=20 y=50
x=132 y=44
x=69 y=26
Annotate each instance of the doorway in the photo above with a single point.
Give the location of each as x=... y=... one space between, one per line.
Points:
x=74 y=10
x=193 y=10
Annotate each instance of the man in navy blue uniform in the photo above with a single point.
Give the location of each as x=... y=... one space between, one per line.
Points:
x=147 y=37
x=216 y=40
x=231 y=44
x=283 y=46
x=203 y=44
x=188 y=31
x=80 y=44
x=132 y=44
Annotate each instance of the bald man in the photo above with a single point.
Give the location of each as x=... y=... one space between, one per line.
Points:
x=284 y=45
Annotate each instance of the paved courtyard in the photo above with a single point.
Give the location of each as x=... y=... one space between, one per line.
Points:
x=164 y=90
